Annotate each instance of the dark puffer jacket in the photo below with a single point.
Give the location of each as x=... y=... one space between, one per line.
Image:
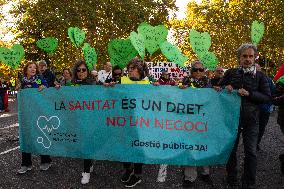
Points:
x=256 y=84
x=259 y=93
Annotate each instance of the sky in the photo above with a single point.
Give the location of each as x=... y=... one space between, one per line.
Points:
x=181 y=4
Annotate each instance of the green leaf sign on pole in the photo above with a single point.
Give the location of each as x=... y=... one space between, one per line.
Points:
x=257 y=31
x=76 y=35
x=90 y=56
x=121 y=51
x=48 y=45
x=200 y=42
x=173 y=53
x=153 y=36
x=12 y=57
x=209 y=60
x=138 y=43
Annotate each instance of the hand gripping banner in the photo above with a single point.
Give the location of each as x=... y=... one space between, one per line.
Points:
x=130 y=123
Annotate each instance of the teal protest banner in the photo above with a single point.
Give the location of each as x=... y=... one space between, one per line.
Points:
x=149 y=124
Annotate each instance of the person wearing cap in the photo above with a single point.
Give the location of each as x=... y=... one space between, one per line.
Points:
x=46 y=73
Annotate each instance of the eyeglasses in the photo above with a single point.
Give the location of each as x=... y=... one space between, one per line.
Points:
x=131 y=68
x=81 y=70
x=197 y=69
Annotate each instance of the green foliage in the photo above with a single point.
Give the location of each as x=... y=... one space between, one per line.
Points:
x=102 y=20
x=229 y=25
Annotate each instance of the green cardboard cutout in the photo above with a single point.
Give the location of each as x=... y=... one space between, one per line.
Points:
x=48 y=44
x=76 y=35
x=173 y=53
x=90 y=56
x=153 y=36
x=121 y=51
x=209 y=60
x=137 y=40
x=257 y=31
x=200 y=42
x=12 y=57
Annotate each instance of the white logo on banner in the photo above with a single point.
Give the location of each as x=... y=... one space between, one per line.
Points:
x=43 y=124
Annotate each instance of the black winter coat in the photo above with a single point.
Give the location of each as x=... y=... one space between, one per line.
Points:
x=259 y=93
x=256 y=84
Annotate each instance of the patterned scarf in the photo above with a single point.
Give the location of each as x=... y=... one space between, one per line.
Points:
x=251 y=70
x=199 y=83
x=33 y=82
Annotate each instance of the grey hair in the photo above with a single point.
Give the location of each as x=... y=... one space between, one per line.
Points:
x=244 y=47
x=196 y=62
x=42 y=62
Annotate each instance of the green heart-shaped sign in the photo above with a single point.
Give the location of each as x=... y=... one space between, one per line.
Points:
x=12 y=57
x=173 y=53
x=200 y=42
x=121 y=51
x=153 y=36
x=48 y=44
x=257 y=31
x=76 y=35
x=209 y=60
x=138 y=43
x=90 y=56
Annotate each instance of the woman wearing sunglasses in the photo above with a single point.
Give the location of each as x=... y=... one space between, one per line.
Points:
x=82 y=76
x=197 y=79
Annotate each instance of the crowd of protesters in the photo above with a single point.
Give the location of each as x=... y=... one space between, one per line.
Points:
x=257 y=91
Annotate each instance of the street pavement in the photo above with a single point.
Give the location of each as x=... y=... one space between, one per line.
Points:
x=66 y=172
